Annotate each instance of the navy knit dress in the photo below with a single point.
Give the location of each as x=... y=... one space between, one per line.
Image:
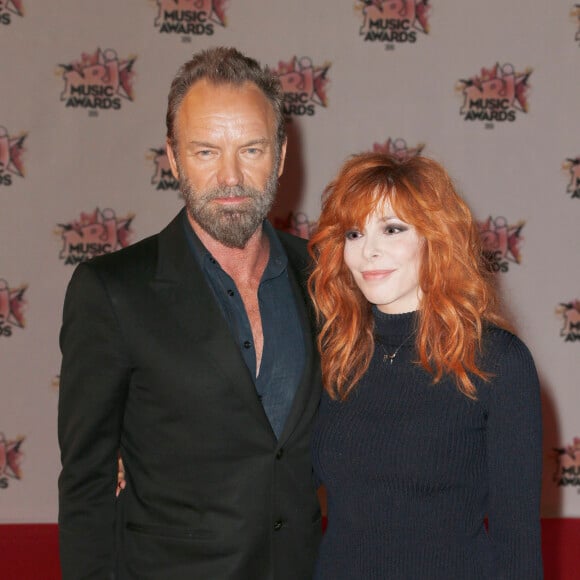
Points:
x=413 y=469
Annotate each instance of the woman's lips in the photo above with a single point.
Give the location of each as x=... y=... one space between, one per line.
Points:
x=370 y=275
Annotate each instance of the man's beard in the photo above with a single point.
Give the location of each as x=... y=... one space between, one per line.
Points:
x=231 y=226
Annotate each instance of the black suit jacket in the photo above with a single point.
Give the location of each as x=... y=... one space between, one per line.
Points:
x=150 y=368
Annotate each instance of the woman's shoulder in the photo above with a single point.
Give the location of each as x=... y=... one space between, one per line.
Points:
x=501 y=340
x=505 y=354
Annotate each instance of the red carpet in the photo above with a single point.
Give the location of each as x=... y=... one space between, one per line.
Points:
x=30 y=551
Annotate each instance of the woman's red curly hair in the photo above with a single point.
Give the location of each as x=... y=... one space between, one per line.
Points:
x=458 y=294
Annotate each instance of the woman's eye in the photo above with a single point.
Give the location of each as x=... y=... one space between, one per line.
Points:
x=394 y=229
x=352 y=235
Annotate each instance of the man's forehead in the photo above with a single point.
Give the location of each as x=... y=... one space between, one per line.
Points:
x=247 y=99
x=210 y=108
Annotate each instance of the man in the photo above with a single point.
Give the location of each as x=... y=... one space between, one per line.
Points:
x=191 y=354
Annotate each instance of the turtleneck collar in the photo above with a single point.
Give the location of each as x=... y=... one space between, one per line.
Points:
x=393 y=328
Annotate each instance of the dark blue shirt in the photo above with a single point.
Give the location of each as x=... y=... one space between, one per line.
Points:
x=283 y=353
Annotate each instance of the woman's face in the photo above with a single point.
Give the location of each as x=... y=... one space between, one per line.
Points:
x=384 y=259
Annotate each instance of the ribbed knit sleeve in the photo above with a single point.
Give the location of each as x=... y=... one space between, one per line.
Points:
x=514 y=460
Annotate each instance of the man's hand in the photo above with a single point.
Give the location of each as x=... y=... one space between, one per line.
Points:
x=121 y=483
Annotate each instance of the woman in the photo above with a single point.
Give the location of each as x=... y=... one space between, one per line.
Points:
x=430 y=421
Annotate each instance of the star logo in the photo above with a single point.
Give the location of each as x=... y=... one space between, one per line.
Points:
x=11 y=457
x=11 y=152
x=304 y=82
x=568 y=464
x=163 y=176
x=14 y=6
x=304 y=85
x=95 y=233
x=98 y=75
x=496 y=94
x=501 y=242
x=573 y=167
x=12 y=304
x=570 y=313
x=190 y=17
x=398 y=148
x=414 y=13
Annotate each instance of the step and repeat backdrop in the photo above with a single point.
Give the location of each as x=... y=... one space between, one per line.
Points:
x=489 y=88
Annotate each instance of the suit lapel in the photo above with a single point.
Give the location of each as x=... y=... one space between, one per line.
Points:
x=181 y=282
x=309 y=387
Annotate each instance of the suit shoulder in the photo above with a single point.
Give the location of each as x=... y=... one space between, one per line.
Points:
x=136 y=257
x=296 y=248
x=290 y=239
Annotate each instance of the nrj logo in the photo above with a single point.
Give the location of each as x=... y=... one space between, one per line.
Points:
x=497 y=94
x=9 y=8
x=190 y=17
x=393 y=21
x=96 y=233
x=398 y=149
x=573 y=167
x=570 y=313
x=10 y=459
x=162 y=177
x=11 y=150
x=568 y=465
x=296 y=223
x=304 y=85
x=98 y=81
x=12 y=304
x=501 y=243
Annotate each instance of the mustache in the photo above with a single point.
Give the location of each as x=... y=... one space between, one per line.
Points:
x=230 y=192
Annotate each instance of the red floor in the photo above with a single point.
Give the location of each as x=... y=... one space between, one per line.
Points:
x=30 y=552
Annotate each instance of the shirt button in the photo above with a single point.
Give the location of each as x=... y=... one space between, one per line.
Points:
x=279 y=453
x=278 y=524
x=247 y=344
x=230 y=292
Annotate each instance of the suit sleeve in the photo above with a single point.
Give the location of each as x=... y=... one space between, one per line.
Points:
x=93 y=384
x=514 y=449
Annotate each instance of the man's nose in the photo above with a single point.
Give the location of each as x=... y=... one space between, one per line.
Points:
x=229 y=172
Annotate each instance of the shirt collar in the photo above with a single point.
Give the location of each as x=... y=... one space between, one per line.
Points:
x=277 y=261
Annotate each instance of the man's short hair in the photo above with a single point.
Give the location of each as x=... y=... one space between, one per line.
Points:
x=223 y=65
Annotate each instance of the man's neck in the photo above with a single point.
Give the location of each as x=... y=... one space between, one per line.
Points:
x=241 y=264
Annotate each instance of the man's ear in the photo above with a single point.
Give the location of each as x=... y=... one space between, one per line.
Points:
x=172 y=162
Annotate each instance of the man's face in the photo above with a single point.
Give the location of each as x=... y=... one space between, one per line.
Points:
x=226 y=159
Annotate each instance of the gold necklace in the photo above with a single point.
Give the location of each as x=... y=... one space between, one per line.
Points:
x=391 y=357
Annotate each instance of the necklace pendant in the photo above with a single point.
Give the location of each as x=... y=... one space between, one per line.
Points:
x=391 y=357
